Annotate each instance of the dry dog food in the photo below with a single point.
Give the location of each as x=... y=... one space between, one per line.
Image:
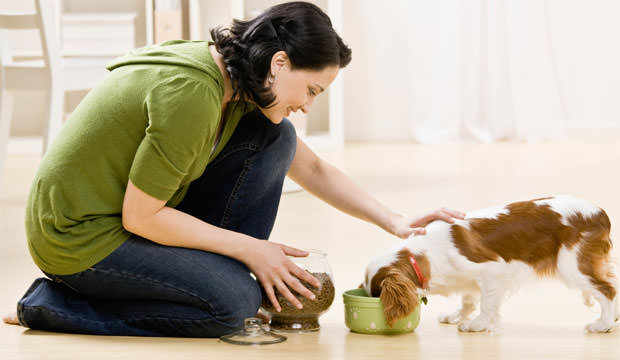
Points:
x=305 y=319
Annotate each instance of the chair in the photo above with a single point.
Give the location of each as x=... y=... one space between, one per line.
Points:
x=53 y=74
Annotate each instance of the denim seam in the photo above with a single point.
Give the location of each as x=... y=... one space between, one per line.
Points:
x=134 y=319
x=65 y=315
x=20 y=303
x=174 y=319
x=233 y=194
x=58 y=280
x=20 y=315
x=158 y=282
x=234 y=149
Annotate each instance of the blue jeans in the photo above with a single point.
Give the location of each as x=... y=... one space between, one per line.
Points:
x=147 y=289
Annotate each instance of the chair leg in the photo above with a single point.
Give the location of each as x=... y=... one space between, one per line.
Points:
x=55 y=116
x=6 y=112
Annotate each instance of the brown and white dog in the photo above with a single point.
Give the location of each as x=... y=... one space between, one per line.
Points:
x=486 y=256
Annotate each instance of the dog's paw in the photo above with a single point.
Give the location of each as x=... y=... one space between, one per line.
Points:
x=450 y=318
x=476 y=325
x=600 y=326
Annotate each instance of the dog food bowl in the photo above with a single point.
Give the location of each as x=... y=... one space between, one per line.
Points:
x=364 y=314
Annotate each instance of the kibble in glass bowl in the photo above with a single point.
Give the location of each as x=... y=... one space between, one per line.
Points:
x=292 y=319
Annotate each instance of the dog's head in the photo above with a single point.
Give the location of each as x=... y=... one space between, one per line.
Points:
x=394 y=279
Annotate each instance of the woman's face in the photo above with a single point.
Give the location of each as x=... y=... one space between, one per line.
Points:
x=294 y=89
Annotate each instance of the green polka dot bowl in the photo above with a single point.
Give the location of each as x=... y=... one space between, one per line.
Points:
x=364 y=314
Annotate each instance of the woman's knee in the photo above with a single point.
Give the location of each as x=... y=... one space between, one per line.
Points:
x=226 y=313
x=285 y=142
x=238 y=303
x=288 y=135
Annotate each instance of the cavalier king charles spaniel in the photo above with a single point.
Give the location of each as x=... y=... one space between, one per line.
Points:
x=486 y=256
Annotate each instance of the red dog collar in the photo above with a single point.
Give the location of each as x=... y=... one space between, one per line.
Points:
x=418 y=272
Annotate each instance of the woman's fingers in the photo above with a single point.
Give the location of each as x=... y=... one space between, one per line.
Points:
x=305 y=276
x=271 y=296
x=426 y=219
x=291 y=251
x=418 y=231
x=287 y=282
x=285 y=277
x=295 y=284
x=454 y=213
x=443 y=214
x=286 y=292
x=299 y=273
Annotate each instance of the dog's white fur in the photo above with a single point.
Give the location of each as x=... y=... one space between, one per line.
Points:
x=488 y=283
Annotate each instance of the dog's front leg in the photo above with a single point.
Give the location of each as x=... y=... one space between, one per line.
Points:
x=468 y=306
x=491 y=296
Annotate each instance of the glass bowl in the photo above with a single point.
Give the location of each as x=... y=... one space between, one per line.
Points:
x=292 y=319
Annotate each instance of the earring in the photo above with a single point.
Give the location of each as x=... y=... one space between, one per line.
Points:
x=271 y=79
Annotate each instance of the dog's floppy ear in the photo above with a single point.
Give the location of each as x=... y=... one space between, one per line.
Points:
x=398 y=295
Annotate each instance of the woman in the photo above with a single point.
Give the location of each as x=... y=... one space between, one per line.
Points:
x=147 y=213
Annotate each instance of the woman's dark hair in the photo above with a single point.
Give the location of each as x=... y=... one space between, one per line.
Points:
x=301 y=29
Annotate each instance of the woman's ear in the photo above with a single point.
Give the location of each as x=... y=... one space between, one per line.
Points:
x=398 y=295
x=279 y=60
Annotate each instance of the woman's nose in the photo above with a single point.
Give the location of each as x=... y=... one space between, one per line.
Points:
x=308 y=105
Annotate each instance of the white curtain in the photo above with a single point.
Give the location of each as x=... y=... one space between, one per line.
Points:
x=489 y=70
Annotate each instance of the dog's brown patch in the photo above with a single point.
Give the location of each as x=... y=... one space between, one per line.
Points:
x=534 y=234
x=398 y=296
x=375 y=284
x=594 y=251
x=403 y=265
x=529 y=233
x=396 y=285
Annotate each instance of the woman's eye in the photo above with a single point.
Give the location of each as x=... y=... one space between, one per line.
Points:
x=311 y=92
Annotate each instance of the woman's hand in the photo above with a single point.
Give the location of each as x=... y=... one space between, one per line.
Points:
x=273 y=269
x=404 y=226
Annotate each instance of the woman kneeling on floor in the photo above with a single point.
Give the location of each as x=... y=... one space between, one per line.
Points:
x=150 y=210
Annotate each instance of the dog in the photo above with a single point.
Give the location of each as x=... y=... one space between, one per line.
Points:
x=486 y=256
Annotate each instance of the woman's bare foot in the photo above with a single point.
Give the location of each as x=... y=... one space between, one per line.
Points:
x=11 y=319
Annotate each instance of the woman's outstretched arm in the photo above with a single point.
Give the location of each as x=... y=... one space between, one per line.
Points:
x=328 y=183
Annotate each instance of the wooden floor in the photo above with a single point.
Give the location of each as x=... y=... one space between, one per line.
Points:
x=543 y=321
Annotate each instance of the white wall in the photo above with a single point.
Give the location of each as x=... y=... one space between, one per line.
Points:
x=395 y=43
x=376 y=81
x=385 y=85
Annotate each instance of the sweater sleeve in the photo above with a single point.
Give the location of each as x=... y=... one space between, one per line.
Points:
x=182 y=118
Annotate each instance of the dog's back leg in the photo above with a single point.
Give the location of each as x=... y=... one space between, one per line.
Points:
x=587 y=266
x=617 y=301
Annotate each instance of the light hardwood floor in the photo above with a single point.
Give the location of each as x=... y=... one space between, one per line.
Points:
x=543 y=320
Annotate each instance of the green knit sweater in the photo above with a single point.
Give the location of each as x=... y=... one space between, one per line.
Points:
x=153 y=120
